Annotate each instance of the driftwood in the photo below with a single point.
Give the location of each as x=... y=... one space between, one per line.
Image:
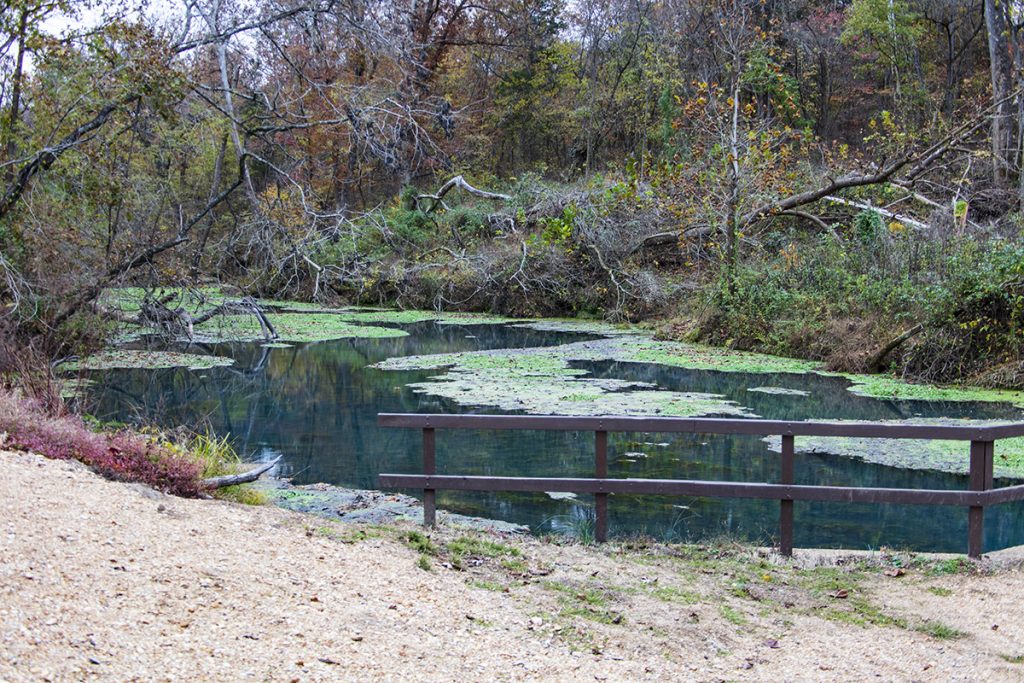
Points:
x=891 y=215
x=876 y=361
x=457 y=182
x=240 y=478
x=157 y=313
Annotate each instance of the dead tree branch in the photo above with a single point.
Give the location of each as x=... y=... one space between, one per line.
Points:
x=242 y=477
x=914 y=162
x=891 y=215
x=458 y=182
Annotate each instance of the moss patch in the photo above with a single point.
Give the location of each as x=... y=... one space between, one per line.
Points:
x=149 y=360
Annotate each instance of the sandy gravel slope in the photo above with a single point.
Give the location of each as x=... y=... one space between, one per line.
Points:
x=100 y=580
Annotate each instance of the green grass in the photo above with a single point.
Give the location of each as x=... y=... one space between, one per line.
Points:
x=216 y=454
x=419 y=542
x=587 y=602
x=940 y=591
x=350 y=533
x=244 y=494
x=465 y=547
x=938 y=630
x=673 y=594
x=480 y=547
x=489 y=585
x=516 y=566
x=731 y=615
x=955 y=565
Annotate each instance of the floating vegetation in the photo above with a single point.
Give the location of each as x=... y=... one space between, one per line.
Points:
x=779 y=391
x=643 y=349
x=299 y=322
x=290 y=327
x=410 y=317
x=916 y=454
x=148 y=360
x=296 y=306
x=624 y=348
x=580 y=326
x=74 y=387
x=882 y=386
x=129 y=299
x=540 y=381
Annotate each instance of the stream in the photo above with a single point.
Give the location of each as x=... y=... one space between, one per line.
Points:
x=317 y=405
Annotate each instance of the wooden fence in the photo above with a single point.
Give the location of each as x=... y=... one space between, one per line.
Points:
x=976 y=499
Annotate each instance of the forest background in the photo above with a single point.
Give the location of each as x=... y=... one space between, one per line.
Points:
x=838 y=180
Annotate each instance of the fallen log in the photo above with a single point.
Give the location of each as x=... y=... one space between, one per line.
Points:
x=459 y=182
x=242 y=477
x=876 y=362
x=891 y=215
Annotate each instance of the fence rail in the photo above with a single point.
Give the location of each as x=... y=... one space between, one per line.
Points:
x=976 y=499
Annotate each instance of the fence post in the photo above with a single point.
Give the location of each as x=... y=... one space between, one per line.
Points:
x=786 y=506
x=601 y=499
x=429 y=467
x=981 y=480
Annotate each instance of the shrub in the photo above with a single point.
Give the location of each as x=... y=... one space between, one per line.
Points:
x=467 y=220
x=122 y=456
x=838 y=300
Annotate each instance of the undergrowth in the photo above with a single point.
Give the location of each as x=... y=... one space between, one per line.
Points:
x=173 y=465
x=841 y=298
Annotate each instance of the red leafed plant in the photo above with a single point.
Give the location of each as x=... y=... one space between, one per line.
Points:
x=123 y=456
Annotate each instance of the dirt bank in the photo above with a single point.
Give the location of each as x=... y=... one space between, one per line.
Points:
x=100 y=580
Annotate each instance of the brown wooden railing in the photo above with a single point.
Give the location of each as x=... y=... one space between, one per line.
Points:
x=981 y=494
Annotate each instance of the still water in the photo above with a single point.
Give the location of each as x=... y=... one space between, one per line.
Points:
x=317 y=405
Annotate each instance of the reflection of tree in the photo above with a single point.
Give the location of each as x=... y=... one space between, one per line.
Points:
x=317 y=404
x=829 y=397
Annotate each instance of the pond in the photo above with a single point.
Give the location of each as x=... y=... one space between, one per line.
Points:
x=317 y=405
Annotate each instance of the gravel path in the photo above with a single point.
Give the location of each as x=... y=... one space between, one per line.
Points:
x=105 y=581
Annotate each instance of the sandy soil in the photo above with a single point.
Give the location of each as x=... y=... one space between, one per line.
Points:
x=100 y=580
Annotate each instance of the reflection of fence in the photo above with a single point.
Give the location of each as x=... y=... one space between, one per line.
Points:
x=980 y=495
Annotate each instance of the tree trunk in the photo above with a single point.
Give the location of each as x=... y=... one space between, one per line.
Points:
x=1004 y=124
x=15 y=112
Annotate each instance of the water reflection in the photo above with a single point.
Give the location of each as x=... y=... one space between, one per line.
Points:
x=318 y=403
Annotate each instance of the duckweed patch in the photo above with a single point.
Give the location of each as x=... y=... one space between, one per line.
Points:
x=779 y=391
x=541 y=381
x=410 y=317
x=885 y=387
x=920 y=454
x=129 y=299
x=580 y=326
x=291 y=327
x=148 y=360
